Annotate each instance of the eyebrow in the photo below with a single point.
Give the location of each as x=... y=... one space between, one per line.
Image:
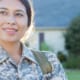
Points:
x=4 y=8
x=18 y=10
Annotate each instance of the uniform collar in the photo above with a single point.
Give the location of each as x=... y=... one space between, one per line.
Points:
x=3 y=54
x=26 y=53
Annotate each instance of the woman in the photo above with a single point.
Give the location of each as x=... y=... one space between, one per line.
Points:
x=17 y=62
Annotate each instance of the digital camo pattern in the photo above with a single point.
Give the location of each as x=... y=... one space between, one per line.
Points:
x=28 y=68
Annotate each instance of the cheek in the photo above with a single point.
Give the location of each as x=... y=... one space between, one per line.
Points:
x=1 y=21
x=23 y=28
x=23 y=22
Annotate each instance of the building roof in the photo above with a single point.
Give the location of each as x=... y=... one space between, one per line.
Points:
x=57 y=13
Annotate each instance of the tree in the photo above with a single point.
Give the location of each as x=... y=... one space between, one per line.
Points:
x=72 y=37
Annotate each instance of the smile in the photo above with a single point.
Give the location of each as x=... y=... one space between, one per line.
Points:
x=10 y=31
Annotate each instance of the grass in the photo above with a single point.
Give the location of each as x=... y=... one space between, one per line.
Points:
x=73 y=74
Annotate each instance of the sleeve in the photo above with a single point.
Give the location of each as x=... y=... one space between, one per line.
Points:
x=58 y=72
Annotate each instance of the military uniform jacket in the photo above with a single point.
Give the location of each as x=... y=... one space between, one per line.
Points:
x=28 y=68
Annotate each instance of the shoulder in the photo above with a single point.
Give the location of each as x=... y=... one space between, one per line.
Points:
x=57 y=68
x=47 y=56
x=52 y=57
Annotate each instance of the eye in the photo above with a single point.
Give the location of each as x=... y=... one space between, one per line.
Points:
x=19 y=15
x=3 y=13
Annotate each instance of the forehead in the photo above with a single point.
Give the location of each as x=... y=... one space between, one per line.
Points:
x=12 y=4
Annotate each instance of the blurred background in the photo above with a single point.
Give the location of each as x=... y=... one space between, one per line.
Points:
x=57 y=29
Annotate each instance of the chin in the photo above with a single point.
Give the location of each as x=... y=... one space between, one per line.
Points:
x=10 y=40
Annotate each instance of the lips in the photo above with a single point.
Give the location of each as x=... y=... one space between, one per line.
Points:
x=10 y=31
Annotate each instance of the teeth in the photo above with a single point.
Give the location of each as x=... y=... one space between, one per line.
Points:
x=10 y=30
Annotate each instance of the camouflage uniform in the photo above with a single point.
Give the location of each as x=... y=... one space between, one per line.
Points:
x=28 y=68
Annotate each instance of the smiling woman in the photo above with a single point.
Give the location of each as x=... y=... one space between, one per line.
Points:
x=13 y=20
x=17 y=62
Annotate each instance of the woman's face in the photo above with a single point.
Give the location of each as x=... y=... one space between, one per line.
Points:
x=13 y=20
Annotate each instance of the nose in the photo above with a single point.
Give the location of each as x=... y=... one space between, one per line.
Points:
x=11 y=20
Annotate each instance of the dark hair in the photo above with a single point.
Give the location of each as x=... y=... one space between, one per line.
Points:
x=28 y=7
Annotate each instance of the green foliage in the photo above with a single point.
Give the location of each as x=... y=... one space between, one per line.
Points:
x=61 y=56
x=72 y=62
x=72 y=37
x=45 y=47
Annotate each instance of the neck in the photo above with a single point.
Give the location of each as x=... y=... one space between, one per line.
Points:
x=13 y=48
